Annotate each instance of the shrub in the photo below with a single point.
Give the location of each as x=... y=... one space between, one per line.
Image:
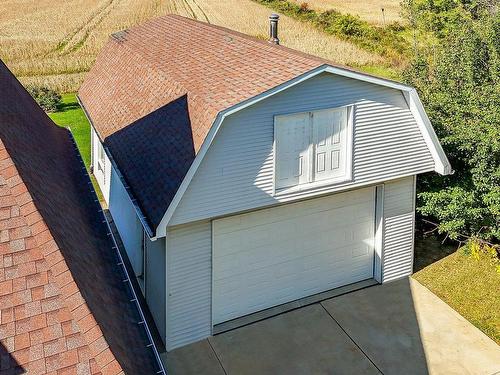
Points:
x=46 y=98
x=386 y=41
x=477 y=249
x=349 y=25
x=396 y=27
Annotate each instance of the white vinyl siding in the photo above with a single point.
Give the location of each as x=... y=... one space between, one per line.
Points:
x=399 y=223
x=155 y=282
x=189 y=284
x=237 y=173
x=126 y=221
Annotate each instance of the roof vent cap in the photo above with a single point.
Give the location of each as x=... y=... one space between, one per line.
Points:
x=273 y=28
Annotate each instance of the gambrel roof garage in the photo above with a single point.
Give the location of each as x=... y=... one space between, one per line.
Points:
x=261 y=175
x=181 y=77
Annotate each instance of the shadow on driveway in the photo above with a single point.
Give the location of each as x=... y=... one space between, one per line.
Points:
x=396 y=328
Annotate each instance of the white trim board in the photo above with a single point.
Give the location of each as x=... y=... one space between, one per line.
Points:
x=442 y=164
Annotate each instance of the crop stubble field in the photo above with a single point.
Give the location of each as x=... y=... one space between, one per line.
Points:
x=53 y=43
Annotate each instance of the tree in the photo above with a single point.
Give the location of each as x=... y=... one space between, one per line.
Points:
x=459 y=83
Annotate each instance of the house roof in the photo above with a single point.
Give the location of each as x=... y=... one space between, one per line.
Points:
x=156 y=90
x=173 y=75
x=64 y=305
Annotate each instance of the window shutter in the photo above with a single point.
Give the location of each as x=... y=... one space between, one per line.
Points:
x=292 y=150
x=330 y=141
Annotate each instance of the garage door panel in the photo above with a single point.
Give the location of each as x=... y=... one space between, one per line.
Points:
x=273 y=256
x=284 y=263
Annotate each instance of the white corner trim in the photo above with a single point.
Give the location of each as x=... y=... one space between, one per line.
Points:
x=379 y=233
x=441 y=162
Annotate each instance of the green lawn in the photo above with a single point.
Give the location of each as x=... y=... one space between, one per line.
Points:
x=70 y=115
x=468 y=285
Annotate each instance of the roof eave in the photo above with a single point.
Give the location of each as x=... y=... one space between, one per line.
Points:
x=140 y=214
x=441 y=162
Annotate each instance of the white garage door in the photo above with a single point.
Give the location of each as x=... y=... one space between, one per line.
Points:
x=269 y=257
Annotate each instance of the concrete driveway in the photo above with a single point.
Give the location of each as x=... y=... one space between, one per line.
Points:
x=397 y=328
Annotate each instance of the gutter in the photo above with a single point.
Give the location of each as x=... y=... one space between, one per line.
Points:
x=124 y=268
x=138 y=210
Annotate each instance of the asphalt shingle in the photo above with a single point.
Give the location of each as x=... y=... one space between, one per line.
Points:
x=63 y=304
x=174 y=75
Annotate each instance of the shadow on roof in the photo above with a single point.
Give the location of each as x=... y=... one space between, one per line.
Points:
x=152 y=174
x=8 y=363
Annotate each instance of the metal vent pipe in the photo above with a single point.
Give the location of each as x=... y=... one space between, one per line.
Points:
x=273 y=28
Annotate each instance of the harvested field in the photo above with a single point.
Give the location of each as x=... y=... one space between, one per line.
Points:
x=54 y=43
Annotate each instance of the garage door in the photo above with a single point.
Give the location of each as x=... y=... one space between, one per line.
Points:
x=273 y=256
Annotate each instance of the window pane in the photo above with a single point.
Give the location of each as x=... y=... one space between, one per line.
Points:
x=292 y=150
x=330 y=141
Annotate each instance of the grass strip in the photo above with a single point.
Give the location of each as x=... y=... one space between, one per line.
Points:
x=70 y=115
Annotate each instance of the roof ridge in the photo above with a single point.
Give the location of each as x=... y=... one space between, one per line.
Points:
x=250 y=38
x=245 y=37
x=281 y=47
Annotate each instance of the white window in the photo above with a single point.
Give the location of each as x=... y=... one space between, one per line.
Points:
x=100 y=157
x=313 y=147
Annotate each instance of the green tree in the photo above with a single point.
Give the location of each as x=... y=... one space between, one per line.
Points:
x=459 y=83
x=46 y=98
x=443 y=16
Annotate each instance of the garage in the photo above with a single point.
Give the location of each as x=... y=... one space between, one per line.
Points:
x=273 y=256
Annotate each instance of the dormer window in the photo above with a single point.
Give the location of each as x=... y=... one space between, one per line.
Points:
x=313 y=148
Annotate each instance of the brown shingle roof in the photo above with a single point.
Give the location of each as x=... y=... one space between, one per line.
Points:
x=167 y=59
x=64 y=306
